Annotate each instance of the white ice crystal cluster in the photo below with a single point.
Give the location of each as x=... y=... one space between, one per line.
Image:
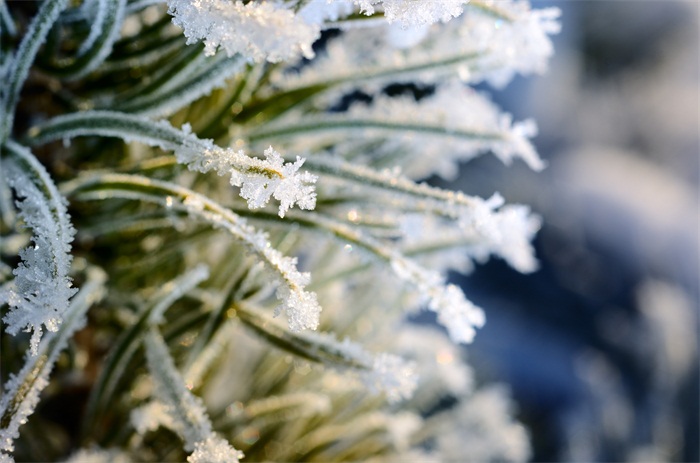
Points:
x=454 y=125
x=258 y=30
x=273 y=31
x=409 y=13
x=491 y=41
x=258 y=179
x=454 y=311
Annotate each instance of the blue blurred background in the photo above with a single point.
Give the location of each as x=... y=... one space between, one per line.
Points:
x=600 y=346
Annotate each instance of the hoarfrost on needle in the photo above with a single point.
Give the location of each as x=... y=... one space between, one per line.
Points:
x=259 y=31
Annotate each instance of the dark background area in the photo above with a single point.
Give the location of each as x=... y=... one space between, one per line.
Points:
x=600 y=346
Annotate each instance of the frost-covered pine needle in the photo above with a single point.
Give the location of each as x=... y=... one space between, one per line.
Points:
x=186 y=410
x=259 y=179
x=454 y=125
x=42 y=288
x=21 y=391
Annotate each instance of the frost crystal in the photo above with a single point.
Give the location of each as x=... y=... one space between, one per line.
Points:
x=257 y=30
x=320 y=11
x=42 y=287
x=392 y=375
x=472 y=125
x=410 y=13
x=384 y=373
x=151 y=416
x=214 y=450
x=259 y=179
x=490 y=40
x=454 y=311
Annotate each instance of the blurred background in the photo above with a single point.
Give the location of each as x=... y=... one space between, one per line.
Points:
x=600 y=346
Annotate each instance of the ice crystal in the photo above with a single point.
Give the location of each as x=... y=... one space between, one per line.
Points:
x=470 y=123
x=258 y=179
x=321 y=11
x=259 y=31
x=214 y=450
x=10 y=431
x=491 y=40
x=151 y=416
x=454 y=311
x=21 y=391
x=410 y=13
x=443 y=371
x=393 y=375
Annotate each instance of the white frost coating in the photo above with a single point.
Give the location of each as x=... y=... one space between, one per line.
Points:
x=505 y=232
x=186 y=410
x=302 y=307
x=476 y=46
x=176 y=289
x=42 y=288
x=440 y=131
x=392 y=375
x=384 y=373
x=519 y=45
x=4 y=458
x=98 y=455
x=258 y=179
x=320 y=11
x=454 y=311
x=411 y=13
x=21 y=391
x=460 y=111
x=442 y=368
x=214 y=450
x=30 y=400
x=257 y=30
